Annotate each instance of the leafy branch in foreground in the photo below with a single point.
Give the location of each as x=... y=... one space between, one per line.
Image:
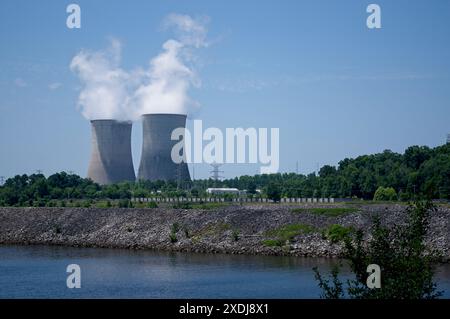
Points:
x=407 y=265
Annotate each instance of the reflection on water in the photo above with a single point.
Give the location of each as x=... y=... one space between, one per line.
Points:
x=38 y=271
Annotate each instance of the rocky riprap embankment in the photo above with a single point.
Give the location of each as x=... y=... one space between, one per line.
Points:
x=231 y=229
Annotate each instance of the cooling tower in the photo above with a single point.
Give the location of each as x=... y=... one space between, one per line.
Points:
x=156 y=161
x=111 y=160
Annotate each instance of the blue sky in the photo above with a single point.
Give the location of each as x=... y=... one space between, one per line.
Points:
x=335 y=88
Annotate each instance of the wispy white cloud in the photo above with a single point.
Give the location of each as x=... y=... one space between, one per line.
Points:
x=189 y=31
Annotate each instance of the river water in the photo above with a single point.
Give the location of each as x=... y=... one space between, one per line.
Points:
x=40 y=272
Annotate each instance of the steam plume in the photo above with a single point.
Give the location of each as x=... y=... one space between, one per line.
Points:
x=109 y=92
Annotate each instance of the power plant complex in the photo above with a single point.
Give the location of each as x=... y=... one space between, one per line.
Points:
x=111 y=158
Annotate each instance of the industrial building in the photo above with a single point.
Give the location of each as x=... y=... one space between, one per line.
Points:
x=156 y=160
x=111 y=160
x=224 y=190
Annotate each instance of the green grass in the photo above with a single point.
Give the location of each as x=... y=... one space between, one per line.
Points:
x=210 y=230
x=329 y=212
x=280 y=235
x=272 y=243
x=374 y=202
x=336 y=233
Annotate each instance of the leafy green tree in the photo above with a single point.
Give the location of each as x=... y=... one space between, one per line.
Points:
x=273 y=192
x=251 y=188
x=407 y=265
x=415 y=156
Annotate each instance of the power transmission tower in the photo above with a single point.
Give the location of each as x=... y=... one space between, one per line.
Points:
x=179 y=182
x=38 y=171
x=2 y=180
x=215 y=173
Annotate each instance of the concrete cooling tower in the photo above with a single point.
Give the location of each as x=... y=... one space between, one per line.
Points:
x=156 y=161
x=111 y=160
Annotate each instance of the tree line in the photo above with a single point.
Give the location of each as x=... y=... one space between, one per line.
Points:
x=419 y=171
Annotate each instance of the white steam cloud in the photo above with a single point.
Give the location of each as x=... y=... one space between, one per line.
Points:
x=110 y=92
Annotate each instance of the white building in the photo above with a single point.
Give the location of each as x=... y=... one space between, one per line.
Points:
x=221 y=191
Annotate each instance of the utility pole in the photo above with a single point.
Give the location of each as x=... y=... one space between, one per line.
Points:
x=296 y=168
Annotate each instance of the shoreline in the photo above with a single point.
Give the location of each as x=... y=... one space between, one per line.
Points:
x=237 y=230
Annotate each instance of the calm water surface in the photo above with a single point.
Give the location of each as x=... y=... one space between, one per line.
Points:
x=40 y=272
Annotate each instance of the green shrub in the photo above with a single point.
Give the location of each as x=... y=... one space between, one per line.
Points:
x=51 y=203
x=175 y=227
x=152 y=204
x=173 y=233
x=40 y=203
x=182 y=205
x=173 y=237
x=336 y=233
x=407 y=264
x=385 y=193
x=87 y=203
x=273 y=242
x=125 y=203
x=235 y=235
